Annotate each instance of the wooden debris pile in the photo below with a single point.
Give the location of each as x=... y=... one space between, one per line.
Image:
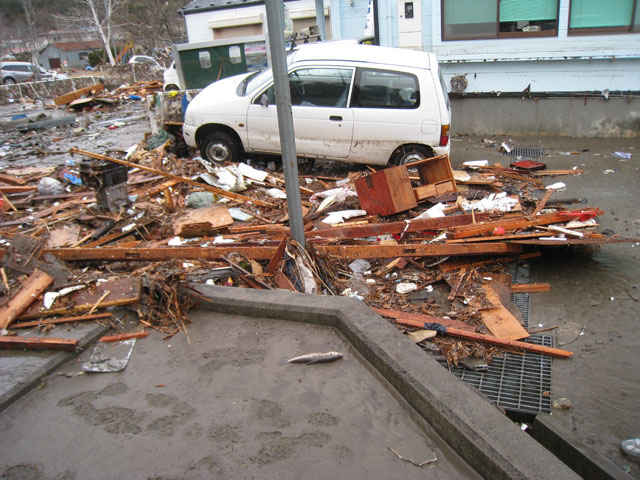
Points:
x=429 y=254
x=95 y=97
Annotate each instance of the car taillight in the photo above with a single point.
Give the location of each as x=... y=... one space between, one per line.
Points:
x=444 y=135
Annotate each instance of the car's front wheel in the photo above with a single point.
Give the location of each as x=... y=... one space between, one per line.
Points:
x=9 y=81
x=409 y=154
x=219 y=147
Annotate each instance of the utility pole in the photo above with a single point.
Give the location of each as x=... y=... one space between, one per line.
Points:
x=285 y=118
x=320 y=19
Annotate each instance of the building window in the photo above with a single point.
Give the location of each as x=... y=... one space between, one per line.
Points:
x=474 y=19
x=408 y=10
x=595 y=16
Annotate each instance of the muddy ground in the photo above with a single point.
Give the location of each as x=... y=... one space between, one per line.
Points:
x=595 y=292
x=225 y=405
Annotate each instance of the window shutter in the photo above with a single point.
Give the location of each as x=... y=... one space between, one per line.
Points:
x=596 y=13
x=521 y=10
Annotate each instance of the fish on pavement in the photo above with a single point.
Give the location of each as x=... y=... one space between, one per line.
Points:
x=316 y=358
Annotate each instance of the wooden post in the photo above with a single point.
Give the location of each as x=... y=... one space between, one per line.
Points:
x=32 y=287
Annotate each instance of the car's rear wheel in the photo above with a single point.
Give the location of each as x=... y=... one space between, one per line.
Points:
x=219 y=147
x=9 y=81
x=409 y=154
x=171 y=87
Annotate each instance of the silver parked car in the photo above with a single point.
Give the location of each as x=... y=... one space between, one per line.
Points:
x=18 y=72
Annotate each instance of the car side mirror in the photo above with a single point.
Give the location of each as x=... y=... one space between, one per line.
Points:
x=264 y=100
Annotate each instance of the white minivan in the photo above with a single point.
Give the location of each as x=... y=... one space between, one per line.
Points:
x=351 y=103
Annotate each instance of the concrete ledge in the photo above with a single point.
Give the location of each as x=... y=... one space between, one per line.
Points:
x=54 y=361
x=585 y=462
x=493 y=445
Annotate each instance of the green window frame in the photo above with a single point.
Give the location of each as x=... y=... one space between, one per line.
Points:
x=588 y=17
x=476 y=19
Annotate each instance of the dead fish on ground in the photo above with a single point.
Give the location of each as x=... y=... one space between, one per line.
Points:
x=316 y=358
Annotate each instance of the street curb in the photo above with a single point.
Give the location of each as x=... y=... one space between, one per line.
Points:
x=584 y=461
x=53 y=362
x=491 y=443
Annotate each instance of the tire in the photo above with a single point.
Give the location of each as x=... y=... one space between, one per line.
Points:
x=171 y=87
x=9 y=81
x=409 y=154
x=219 y=147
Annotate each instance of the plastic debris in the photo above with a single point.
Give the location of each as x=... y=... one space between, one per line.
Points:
x=623 y=155
x=339 y=217
x=406 y=287
x=109 y=357
x=50 y=186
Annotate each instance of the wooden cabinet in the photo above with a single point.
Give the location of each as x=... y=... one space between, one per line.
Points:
x=391 y=190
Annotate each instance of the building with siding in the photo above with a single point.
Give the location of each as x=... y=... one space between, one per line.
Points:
x=68 y=54
x=544 y=67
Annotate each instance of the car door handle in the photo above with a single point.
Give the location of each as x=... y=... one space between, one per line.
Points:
x=335 y=118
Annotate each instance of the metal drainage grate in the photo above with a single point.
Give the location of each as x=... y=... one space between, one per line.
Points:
x=516 y=382
x=520 y=274
x=525 y=152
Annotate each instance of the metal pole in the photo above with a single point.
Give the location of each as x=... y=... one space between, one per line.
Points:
x=376 y=23
x=320 y=19
x=285 y=118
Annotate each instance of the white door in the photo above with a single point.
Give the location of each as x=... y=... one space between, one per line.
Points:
x=410 y=24
x=323 y=125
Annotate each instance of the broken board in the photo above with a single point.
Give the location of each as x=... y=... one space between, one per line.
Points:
x=202 y=221
x=122 y=291
x=498 y=320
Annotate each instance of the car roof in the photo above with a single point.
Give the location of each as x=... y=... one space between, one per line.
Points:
x=363 y=53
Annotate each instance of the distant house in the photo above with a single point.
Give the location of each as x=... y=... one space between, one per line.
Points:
x=68 y=54
x=207 y=20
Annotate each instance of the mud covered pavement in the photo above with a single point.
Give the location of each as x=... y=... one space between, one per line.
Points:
x=436 y=265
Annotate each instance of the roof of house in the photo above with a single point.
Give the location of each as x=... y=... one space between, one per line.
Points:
x=198 y=6
x=73 y=46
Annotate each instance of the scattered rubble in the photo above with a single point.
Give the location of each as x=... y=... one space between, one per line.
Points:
x=424 y=245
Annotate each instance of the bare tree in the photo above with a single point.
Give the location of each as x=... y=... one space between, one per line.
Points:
x=153 y=23
x=99 y=15
x=28 y=6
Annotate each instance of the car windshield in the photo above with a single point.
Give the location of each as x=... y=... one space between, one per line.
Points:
x=257 y=79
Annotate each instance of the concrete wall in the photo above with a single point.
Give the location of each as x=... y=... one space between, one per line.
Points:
x=43 y=90
x=575 y=117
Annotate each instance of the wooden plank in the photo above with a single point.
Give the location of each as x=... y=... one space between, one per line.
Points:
x=11 y=180
x=458 y=264
x=477 y=229
x=283 y=282
x=414 y=225
x=209 y=219
x=417 y=320
x=415 y=250
x=530 y=287
x=277 y=257
x=56 y=321
x=123 y=291
x=123 y=336
x=204 y=186
x=159 y=254
x=17 y=189
x=36 y=284
x=71 y=96
x=37 y=343
x=501 y=342
x=543 y=201
x=498 y=320
x=500 y=238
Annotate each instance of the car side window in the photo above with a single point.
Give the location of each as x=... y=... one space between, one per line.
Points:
x=317 y=87
x=385 y=89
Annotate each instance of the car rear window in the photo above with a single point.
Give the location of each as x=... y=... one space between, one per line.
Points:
x=385 y=89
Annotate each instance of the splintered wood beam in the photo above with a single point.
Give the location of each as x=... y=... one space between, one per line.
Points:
x=36 y=284
x=530 y=287
x=458 y=264
x=55 y=321
x=36 y=343
x=204 y=186
x=543 y=201
x=277 y=257
x=466 y=231
x=415 y=225
x=527 y=347
x=420 y=250
x=122 y=291
x=123 y=336
x=74 y=95
x=417 y=320
x=159 y=254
